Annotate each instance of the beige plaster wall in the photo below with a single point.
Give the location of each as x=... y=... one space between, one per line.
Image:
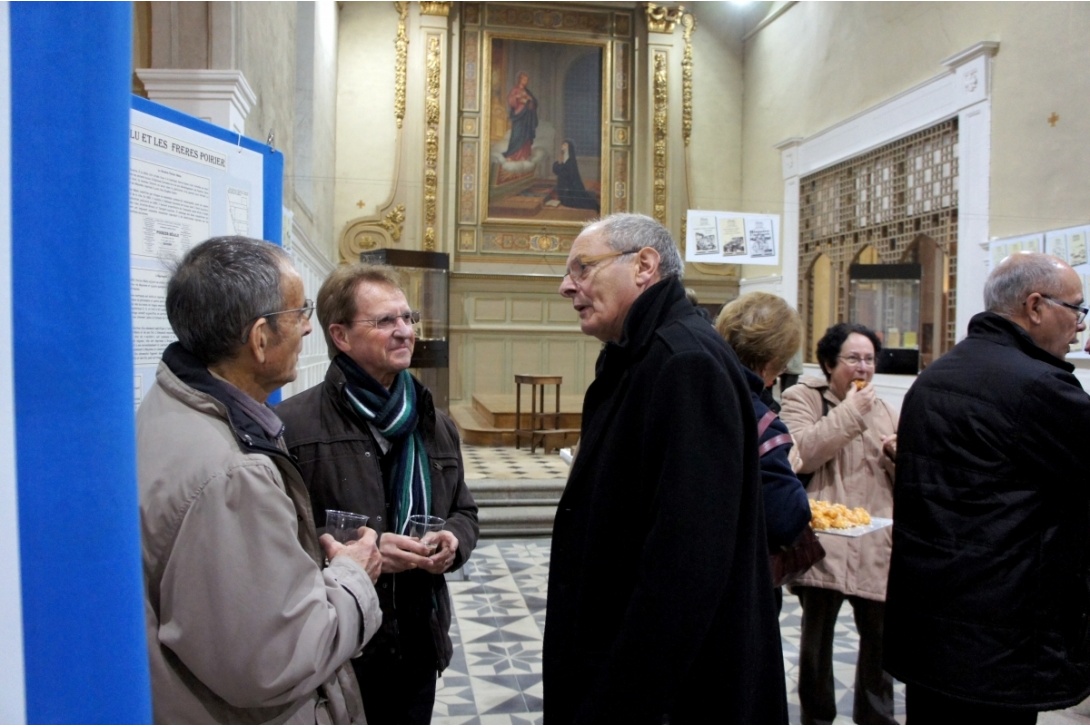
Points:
x=820 y=63
x=715 y=148
x=365 y=121
x=319 y=97
x=265 y=53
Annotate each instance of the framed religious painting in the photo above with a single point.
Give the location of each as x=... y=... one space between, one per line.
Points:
x=544 y=132
x=544 y=153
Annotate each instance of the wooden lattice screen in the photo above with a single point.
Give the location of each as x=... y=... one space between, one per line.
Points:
x=874 y=208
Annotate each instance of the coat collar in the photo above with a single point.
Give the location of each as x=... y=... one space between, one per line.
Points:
x=661 y=302
x=994 y=327
x=190 y=371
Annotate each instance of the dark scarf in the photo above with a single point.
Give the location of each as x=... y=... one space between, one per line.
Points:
x=394 y=414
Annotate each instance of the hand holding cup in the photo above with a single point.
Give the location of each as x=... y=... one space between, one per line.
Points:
x=425 y=528
x=342 y=525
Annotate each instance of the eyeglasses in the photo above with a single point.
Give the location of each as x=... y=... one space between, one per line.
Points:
x=1080 y=311
x=581 y=265
x=389 y=323
x=304 y=315
x=854 y=360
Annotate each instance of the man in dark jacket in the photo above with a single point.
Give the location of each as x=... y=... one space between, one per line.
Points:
x=660 y=599
x=369 y=440
x=986 y=610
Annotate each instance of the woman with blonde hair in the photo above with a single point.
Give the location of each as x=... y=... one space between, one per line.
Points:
x=765 y=332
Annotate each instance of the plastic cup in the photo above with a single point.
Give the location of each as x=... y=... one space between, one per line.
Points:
x=343 y=526
x=424 y=527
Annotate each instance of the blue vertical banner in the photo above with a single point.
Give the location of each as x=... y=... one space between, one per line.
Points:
x=83 y=623
x=12 y=686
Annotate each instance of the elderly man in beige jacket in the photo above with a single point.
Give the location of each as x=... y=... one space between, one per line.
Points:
x=245 y=621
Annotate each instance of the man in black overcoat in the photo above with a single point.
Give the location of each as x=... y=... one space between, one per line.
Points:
x=660 y=602
x=989 y=579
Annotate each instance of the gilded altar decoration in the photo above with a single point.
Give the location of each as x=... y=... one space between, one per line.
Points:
x=367 y=234
x=689 y=23
x=661 y=19
x=659 y=129
x=431 y=142
x=440 y=9
x=544 y=127
x=401 y=46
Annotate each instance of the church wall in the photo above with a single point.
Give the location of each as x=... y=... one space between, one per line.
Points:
x=366 y=147
x=265 y=53
x=507 y=315
x=821 y=63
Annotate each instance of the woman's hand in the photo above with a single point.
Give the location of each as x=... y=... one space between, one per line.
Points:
x=889 y=446
x=861 y=399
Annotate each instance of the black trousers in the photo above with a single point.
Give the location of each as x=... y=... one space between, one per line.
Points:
x=926 y=706
x=873 y=686
x=398 y=682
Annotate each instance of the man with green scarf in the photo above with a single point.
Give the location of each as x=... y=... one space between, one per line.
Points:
x=369 y=440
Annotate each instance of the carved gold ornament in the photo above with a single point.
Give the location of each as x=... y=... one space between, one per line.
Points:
x=661 y=19
x=659 y=129
x=431 y=141
x=401 y=46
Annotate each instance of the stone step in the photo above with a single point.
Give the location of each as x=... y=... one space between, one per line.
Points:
x=510 y=493
x=516 y=520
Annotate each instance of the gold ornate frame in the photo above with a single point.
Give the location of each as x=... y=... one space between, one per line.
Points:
x=496 y=237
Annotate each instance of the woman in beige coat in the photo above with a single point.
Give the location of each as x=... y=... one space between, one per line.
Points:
x=846 y=438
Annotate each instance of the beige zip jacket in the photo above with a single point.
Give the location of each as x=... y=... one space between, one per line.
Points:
x=843 y=450
x=243 y=623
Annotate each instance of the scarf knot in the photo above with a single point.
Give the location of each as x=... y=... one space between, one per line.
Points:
x=394 y=414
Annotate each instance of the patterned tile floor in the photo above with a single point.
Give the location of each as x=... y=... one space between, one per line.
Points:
x=508 y=463
x=499 y=617
x=499 y=607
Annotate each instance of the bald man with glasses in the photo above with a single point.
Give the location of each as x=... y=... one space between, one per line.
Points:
x=660 y=602
x=989 y=589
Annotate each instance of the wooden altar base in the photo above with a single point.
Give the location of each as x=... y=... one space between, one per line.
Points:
x=490 y=420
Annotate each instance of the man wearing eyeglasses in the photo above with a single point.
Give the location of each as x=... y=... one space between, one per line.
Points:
x=988 y=598
x=660 y=602
x=246 y=621
x=370 y=440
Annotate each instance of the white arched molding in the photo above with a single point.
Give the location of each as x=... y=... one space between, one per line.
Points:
x=964 y=91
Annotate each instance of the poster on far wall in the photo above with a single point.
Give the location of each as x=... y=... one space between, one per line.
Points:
x=738 y=238
x=1068 y=243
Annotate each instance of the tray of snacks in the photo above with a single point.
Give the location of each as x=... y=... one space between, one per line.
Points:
x=850 y=522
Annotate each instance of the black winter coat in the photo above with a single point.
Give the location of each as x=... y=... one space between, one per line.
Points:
x=340 y=462
x=988 y=585
x=660 y=601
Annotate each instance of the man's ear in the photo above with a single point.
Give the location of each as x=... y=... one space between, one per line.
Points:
x=1033 y=304
x=339 y=333
x=647 y=266
x=259 y=340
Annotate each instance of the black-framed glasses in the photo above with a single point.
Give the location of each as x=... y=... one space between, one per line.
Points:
x=1080 y=311
x=581 y=265
x=389 y=323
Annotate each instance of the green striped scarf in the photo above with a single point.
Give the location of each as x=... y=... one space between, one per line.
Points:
x=394 y=414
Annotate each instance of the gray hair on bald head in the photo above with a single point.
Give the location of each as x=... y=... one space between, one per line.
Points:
x=1019 y=275
x=625 y=231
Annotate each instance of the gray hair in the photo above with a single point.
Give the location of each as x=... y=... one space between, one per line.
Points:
x=218 y=288
x=1016 y=277
x=625 y=231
